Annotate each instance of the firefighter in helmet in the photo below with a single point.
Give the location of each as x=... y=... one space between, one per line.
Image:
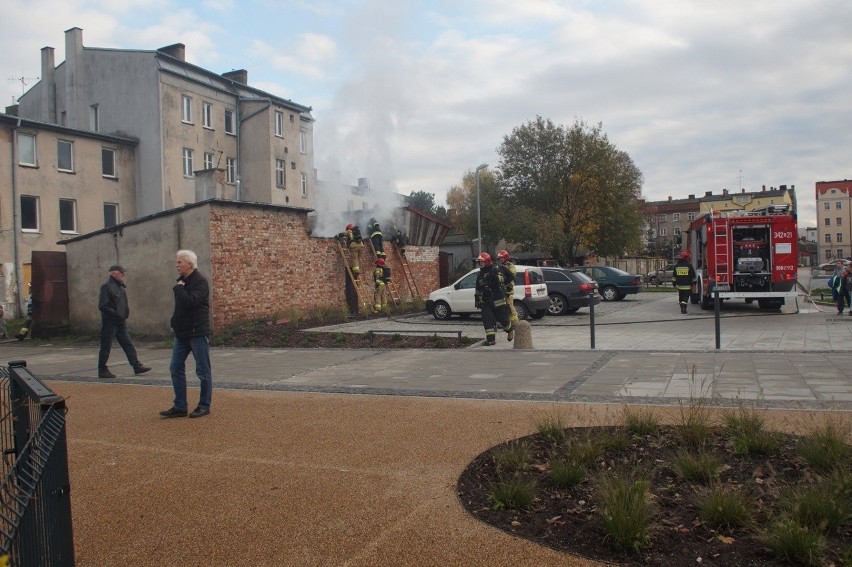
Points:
x=490 y=297
x=380 y=278
x=376 y=238
x=352 y=239
x=684 y=279
x=508 y=270
x=400 y=240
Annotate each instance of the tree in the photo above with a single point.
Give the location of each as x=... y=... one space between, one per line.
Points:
x=571 y=190
x=426 y=203
x=493 y=212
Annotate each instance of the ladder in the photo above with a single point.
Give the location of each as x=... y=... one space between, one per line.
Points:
x=721 y=249
x=409 y=277
x=361 y=292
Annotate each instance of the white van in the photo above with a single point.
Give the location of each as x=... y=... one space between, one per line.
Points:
x=531 y=299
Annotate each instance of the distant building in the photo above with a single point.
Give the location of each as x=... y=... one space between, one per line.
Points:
x=834 y=219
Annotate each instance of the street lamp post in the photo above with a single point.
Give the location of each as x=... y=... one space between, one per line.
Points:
x=478 y=217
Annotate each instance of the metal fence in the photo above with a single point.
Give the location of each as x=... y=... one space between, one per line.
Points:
x=35 y=499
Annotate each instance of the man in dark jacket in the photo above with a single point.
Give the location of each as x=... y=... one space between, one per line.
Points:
x=490 y=297
x=115 y=310
x=191 y=325
x=684 y=278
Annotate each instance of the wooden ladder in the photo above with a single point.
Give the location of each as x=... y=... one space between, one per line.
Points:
x=365 y=302
x=409 y=277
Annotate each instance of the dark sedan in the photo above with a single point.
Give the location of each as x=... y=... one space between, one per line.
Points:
x=568 y=291
x=614 y=284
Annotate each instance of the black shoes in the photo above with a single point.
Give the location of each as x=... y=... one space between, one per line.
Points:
x=199 y=412
x=141 y=369
x=683 y=309
x=489 y=343
x=105 y=373
x=174 y=412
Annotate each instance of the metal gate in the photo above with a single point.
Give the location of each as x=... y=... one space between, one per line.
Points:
x=50 y=294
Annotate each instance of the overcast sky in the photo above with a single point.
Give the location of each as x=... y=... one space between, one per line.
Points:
x=702 y=94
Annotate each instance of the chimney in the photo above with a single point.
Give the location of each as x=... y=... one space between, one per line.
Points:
x=670 y=198
x=238 y=76
x=708 y=194
x=692 y=197
x=47 y=112
x=742 y=190
x=73 y=67
x=783 y=187
x=176 y=50
x=763 y=188
x=724 y=192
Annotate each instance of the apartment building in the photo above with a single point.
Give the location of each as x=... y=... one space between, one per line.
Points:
x=186 y=118
x=749 y=200
x=664 y=223
x=834 y=219
x=56 y=182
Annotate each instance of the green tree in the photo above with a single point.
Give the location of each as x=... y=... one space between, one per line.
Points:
x=493 y=209
x=571 y=191
x=426 y=202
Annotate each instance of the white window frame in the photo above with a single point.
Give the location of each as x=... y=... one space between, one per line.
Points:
x=303 y=141
x=231 y=169
x=186 y=109
x=187 y=163
x=114 y=174
x=113 y=207
x=663 y=231
x=690 y=216
x=63 y=203
x=279 y=124
x=839 y=236
x=280 y=169
x=207 y=115
x=70 y=145
x=838 y=205
x=36 y=204
x=675 y=217
x=208 y=160
x=304 y=185
x=662 y=217
x=826 y=206
x=94 y=118
x=232 y=127
x=33 y=148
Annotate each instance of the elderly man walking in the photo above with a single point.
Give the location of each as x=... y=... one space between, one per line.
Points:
x=115 y=310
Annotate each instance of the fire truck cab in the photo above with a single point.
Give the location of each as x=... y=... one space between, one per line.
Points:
x=751 y=255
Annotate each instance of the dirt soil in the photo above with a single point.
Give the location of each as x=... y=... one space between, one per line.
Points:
x=566 y=519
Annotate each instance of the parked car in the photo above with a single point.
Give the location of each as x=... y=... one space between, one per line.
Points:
x=568 y=291
x=661 y=276
x=531 y=299
x=614 y=284
x=828 y=267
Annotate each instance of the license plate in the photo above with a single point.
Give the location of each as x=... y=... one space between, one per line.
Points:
x=539 y=292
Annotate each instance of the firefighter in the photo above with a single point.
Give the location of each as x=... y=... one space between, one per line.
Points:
x=400 y=240
x=352 y=239
x=683 y=279
x=380 y=278
x=508 y=269
x=376 y=238
x=490 y=297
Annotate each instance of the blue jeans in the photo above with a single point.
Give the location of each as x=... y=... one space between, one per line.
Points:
x=200 y=349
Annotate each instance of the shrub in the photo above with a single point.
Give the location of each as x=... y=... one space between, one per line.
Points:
x=722 y=509
x=697 y=467
x=514 y=493
x=794 y=543
x=825 y=506
x=565 y=474
x=826 y=447
x=513 y=456
x=625 y=511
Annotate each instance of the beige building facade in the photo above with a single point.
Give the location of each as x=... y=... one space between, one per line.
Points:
x=834 y=219
x=56 y=182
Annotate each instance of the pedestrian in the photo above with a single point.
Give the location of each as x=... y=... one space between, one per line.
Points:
x=490 y=297
x=508 y=269
x=381 y=275
x=191 y=325
x=114 y=308
x=845 y=289
x=835 y=284
x=376 y=238
x=683 y=279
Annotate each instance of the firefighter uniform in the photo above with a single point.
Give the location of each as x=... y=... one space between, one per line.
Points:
x=400 y=240
x=380 y=295
x=376 y=238
x=352 y=239
x=683 y=279
x=508 y=269
x=490 y=297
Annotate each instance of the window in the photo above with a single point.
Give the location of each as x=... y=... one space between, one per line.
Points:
x=108 y=162
x=207 y=115
x=828 y=254
x=839 y=253
x=110 y=214
x=304 y=185
x=186 y=109
x=826 y=206
x=828 y=238
x=94 y=119
x=67 y=215
x=303 y=144
x=64 y=155
x=676 y=231
x=675 y=217
x=231 y=168
x=27 y=149
x=690 y=216
x=661 y=216
x=187 y=162
x=208 y=160
x=827 y=221
x=839 y=237
x=838 y=205
x=292 y=165
x=838 y=221
x=291 y=119
x=279 y=124
x=230 y=126
x=279 y=173
x=29 y=214
x=663 y=231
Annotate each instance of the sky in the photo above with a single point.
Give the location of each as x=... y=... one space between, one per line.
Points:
x=703 y=95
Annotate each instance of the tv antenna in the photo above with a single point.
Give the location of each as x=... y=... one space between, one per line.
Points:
x=24 y=81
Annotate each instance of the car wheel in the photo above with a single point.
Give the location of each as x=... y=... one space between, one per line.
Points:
x=442 y=311
x=522 y=311
x=558 y=304
x=652 y=280
x=609 y=293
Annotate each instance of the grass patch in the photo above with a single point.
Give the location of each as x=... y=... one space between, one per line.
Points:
x=626 y=512
x=795 y=544
x=826 y=448
x=566 y=473
x=698 y=466
x=551 y=428
x=641 y=421
x=514 y=493
x=513 y=457
x=723 y=509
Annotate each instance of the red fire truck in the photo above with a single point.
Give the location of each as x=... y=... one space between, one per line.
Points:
x=751 y=255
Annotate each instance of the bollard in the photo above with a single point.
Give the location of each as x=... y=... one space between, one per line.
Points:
x=592 y=317
x=717 y=307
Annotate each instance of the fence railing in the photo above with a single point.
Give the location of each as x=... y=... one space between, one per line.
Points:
x=35 y=498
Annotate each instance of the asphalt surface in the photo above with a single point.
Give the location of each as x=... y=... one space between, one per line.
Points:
x=350 y=457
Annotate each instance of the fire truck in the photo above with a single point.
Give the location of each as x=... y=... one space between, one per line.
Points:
x=751 y=255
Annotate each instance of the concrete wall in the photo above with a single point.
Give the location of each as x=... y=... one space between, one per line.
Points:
x=259 y=260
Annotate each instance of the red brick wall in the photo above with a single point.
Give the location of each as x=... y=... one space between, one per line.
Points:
x=263 y=263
